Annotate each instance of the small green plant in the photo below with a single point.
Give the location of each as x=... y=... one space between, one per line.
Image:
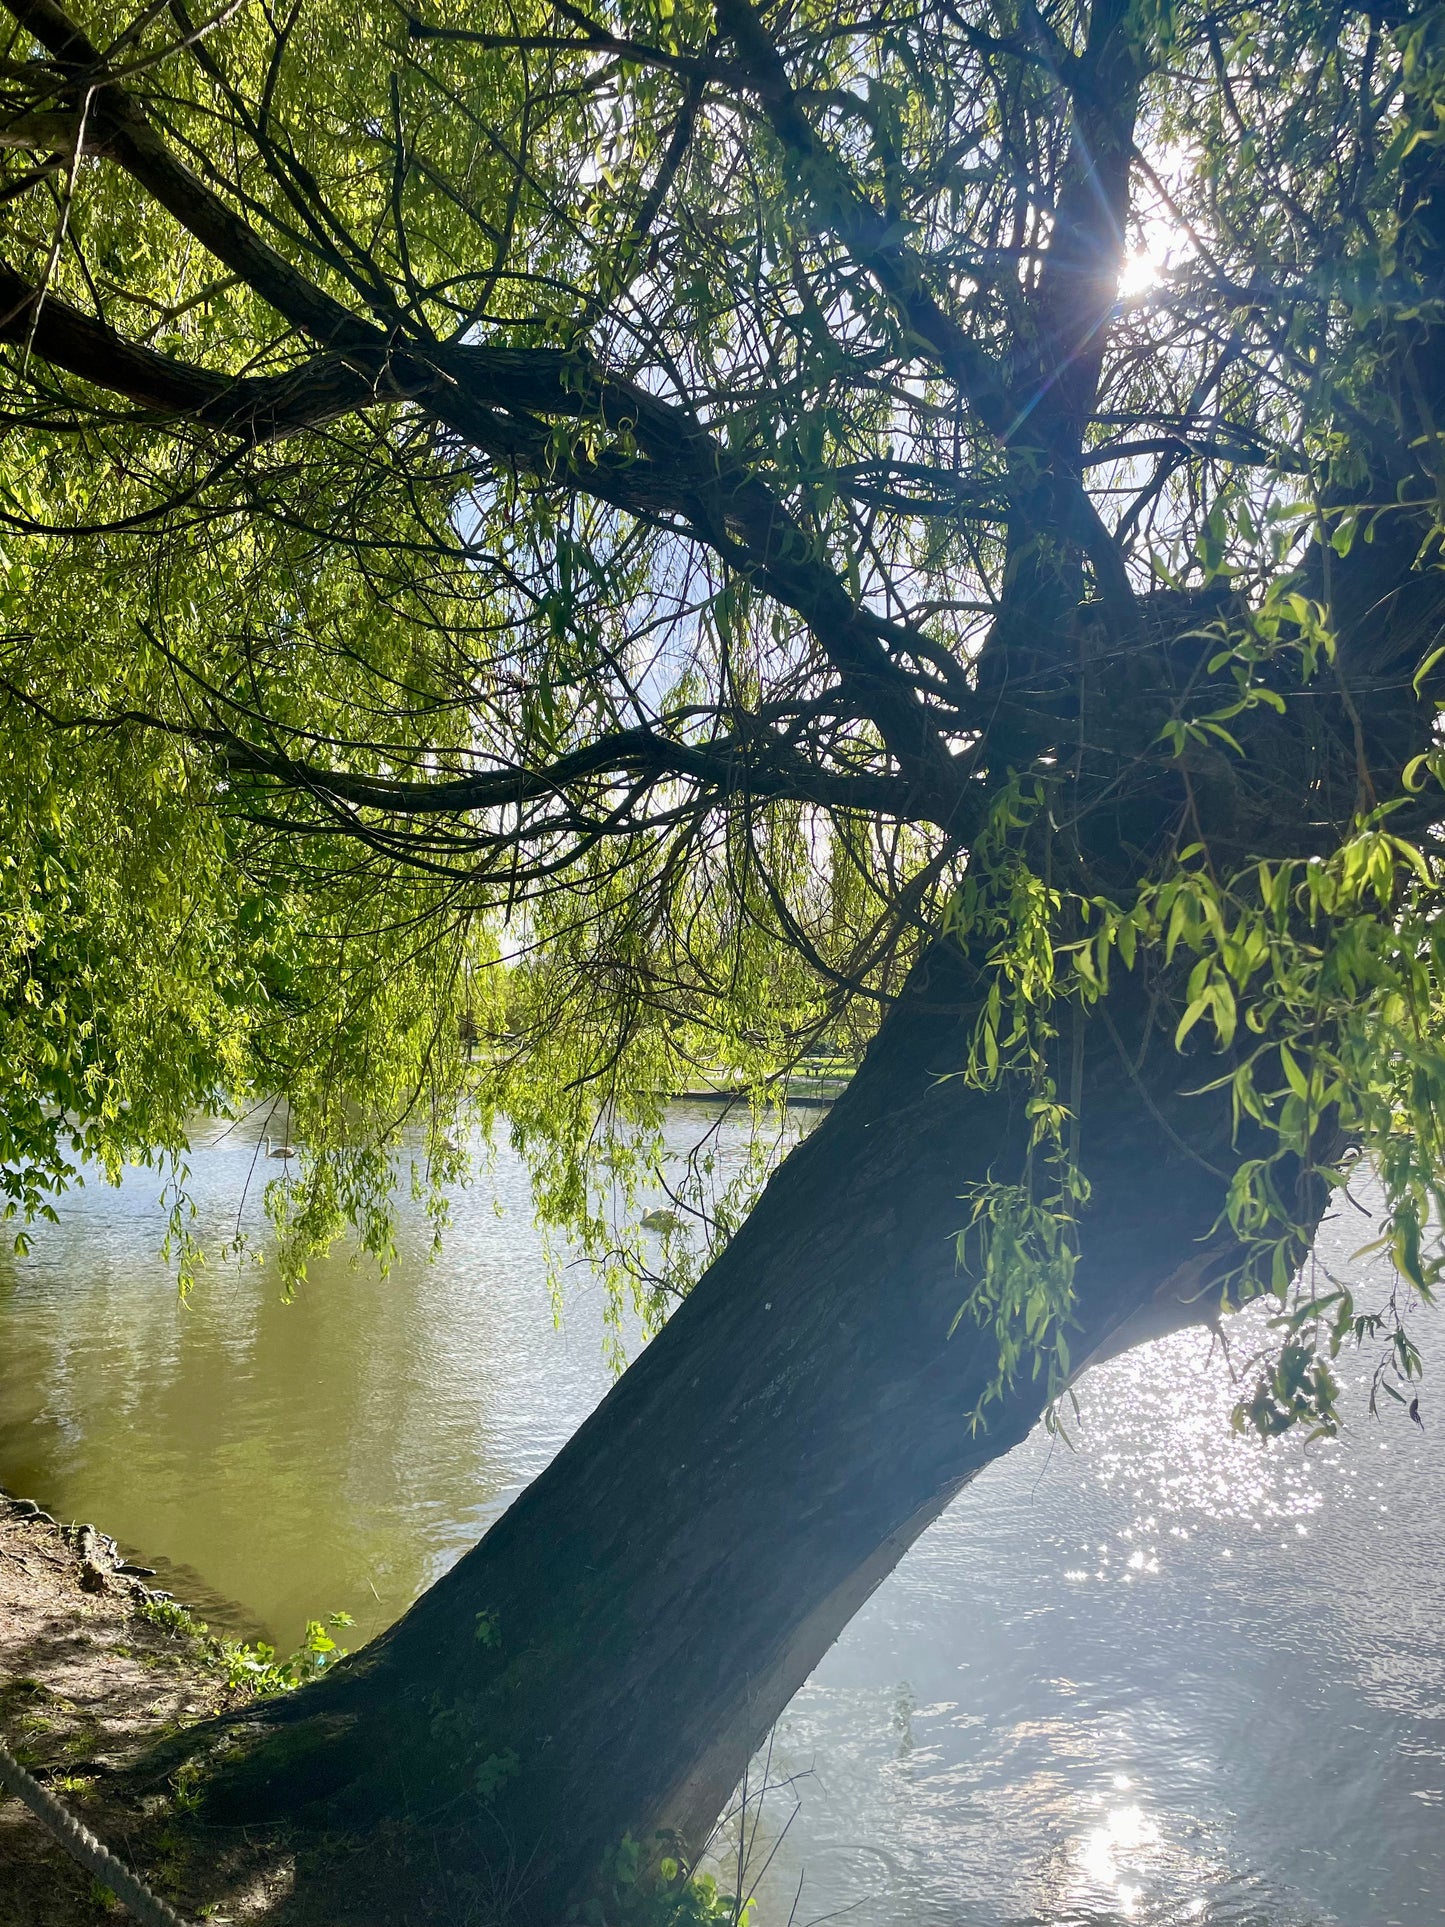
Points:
x=169 y=1617
x=257 y=1667
x=638 y=1890
x=186 y=1786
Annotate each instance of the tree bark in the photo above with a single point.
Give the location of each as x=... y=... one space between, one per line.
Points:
x=606 y=1661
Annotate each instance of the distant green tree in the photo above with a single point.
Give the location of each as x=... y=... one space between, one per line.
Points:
x=547 y=547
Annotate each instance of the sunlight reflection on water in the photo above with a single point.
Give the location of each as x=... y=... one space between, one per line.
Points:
x=1167 y=1676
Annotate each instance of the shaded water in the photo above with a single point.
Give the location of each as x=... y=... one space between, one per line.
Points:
x=1163 y=1678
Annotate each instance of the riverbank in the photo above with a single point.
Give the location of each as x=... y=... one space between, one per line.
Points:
x=95 y=1669
x=798 y=1093
x=97 y=1672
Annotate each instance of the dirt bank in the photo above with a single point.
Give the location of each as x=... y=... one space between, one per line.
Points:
x=94 y=1669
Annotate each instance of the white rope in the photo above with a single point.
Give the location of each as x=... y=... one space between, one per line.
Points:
x=81 y=1844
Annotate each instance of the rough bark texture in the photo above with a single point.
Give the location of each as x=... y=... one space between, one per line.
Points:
x=651 y=1603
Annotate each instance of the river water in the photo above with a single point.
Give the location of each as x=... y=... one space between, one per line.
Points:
x=1162 y=1677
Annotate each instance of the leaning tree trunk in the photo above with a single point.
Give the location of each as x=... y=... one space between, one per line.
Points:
x=607 y=1659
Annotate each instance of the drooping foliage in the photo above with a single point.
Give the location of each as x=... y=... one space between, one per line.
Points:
x=551 y=551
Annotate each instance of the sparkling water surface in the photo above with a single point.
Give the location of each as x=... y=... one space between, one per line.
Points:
x=1161 y=1677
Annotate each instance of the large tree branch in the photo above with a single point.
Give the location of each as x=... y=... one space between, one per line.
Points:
x=257 y=408
x=730 y=766
x=119 y=130
x=870 y=238
x=1042 y=401
x=752 y=764
x=498 y=401
x=589 y=37
x=689 y=473
x=1055 y=375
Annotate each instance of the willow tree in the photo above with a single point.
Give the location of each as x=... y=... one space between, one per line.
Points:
x=651 y=535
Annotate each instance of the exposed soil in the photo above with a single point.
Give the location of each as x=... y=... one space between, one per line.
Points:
x=97 y=1670
x=91 y=1677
